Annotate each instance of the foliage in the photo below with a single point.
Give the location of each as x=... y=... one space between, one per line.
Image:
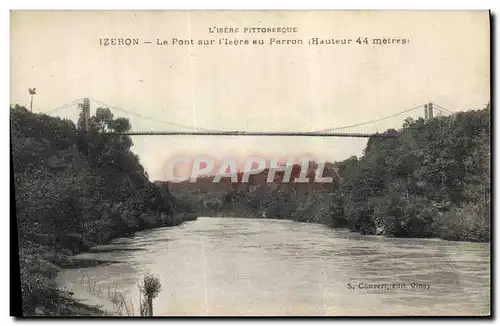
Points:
x=150 y=288
x=151 y=285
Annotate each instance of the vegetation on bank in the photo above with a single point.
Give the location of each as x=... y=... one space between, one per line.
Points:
x=432 y=180
x=74 y=190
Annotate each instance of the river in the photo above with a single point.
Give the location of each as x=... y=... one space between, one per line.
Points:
x=248 y=267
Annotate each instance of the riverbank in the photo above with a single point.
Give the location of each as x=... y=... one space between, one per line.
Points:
x=450 y=234
x=75 y=187
x=44 y=267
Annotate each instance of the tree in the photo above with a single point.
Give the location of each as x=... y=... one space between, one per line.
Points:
x=102 y=120
x=150 y=288
x=120 y=125
x=32 y=92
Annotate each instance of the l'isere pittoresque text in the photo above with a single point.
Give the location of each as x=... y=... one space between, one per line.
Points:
x=255 y=36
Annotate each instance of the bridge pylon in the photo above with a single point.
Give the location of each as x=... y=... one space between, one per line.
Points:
x=85 y=106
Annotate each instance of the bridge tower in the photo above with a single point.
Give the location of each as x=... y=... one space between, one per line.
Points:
x=429 y=111
x=86 y=112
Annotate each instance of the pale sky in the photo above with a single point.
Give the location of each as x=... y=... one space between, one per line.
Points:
x=251 y=87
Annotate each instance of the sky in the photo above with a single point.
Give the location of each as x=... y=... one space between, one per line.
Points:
x=251 y=87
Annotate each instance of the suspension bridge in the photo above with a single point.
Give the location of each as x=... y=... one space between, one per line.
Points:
x=83 y=105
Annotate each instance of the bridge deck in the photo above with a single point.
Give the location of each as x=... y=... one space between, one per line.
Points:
x=248 y=133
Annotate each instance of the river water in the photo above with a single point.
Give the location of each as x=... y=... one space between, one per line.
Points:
x=248 y=267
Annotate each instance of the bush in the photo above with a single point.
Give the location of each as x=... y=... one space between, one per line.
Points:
x=151 y=285
x=470 y=222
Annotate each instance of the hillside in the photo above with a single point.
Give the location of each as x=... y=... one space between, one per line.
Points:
x=230 y=194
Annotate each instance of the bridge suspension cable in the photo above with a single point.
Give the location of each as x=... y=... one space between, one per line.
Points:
x=212 y=130
x=205 y=131
x=371 y=121
x=443 y=109
x=64 y=106
x=151 y=118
